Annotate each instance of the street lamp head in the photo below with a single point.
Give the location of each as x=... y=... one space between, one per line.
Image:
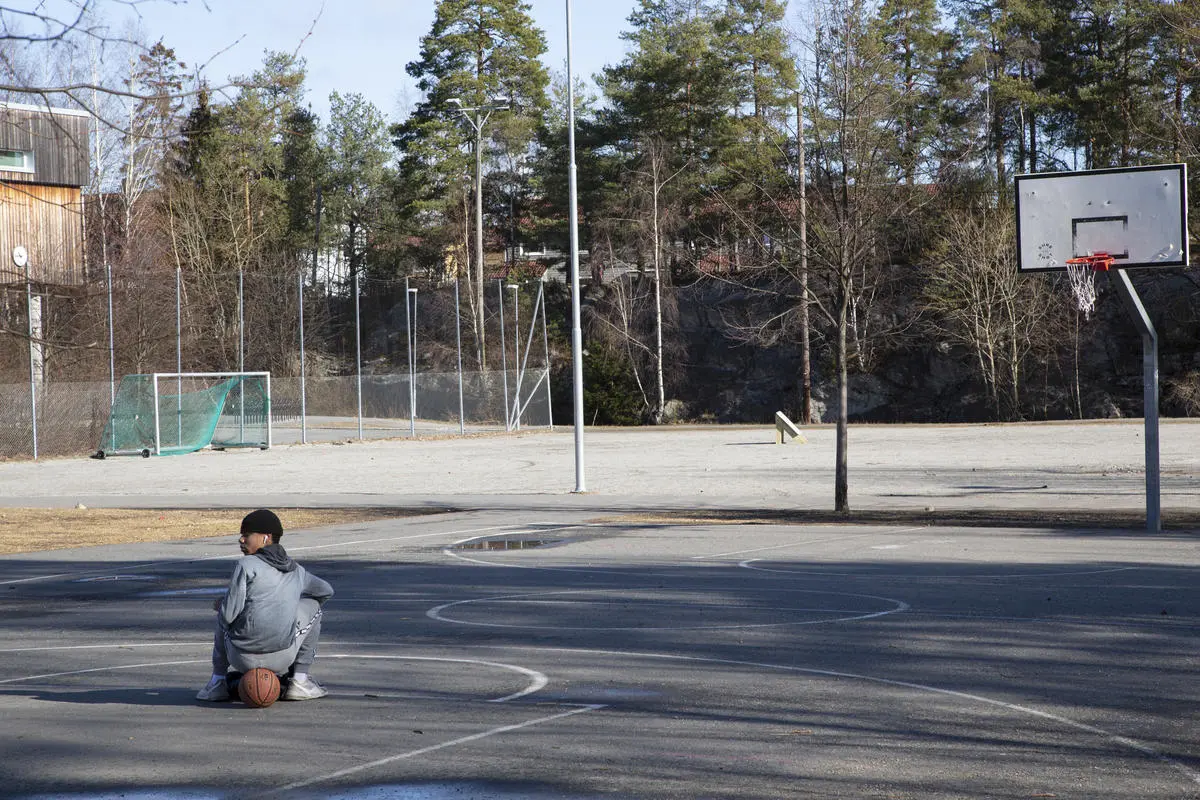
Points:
x=412 y=291
x=512 y=286
x=454 y=101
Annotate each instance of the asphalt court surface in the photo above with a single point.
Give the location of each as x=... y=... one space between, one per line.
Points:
x=538 y=646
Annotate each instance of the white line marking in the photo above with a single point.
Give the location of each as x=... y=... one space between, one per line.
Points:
x=806 y=542
x=1124 y=741
x=875 y=575
x=103 y=669
x=433 y=748
x=125 y=646
x=538 y=680
x=234 y=556
x=436 y=614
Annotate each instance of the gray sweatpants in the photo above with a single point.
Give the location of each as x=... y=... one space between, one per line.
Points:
x=301 y=653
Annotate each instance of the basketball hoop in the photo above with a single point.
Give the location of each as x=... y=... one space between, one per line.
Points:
x=1082 y=274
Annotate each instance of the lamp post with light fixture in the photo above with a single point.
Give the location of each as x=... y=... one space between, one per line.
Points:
x=477 y=117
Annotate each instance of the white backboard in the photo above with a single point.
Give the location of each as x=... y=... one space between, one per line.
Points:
x=1138 y=215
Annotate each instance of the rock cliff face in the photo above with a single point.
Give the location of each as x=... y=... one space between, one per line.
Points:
x=722 y=378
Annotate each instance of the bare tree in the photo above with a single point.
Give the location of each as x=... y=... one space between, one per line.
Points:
x=856 y=196
x=655 y=176
x=981 y=302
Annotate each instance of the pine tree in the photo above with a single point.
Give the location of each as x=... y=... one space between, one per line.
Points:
x=357 y=150
x=475 y=52
x=915 y=44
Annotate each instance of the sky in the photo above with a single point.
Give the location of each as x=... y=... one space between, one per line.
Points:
x=360 y=45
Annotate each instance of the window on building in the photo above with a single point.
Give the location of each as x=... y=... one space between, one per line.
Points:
x=16 y=160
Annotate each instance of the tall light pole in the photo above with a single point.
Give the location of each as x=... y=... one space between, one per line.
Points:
x=477 y=117
x=573 y=214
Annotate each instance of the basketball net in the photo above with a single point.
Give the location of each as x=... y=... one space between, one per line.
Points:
x=1082 y=274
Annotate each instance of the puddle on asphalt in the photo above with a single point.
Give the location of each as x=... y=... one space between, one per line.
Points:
x=505 y=543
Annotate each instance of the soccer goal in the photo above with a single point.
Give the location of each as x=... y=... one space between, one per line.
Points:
x=170 y=413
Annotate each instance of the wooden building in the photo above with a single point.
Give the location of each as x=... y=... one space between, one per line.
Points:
x=43 y=167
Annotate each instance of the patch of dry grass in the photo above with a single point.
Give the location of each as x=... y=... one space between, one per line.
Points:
x=28 y=530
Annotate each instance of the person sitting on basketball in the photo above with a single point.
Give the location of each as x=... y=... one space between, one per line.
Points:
x=270 y=615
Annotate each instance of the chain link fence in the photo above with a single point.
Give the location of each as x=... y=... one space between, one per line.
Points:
x=359 y=359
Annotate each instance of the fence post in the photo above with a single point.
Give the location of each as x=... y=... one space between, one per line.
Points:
x=300 y=296
x=462 y=427
x=358 y=354
x=112 y=351
x=517 y=370
x=241 y=354
x=408 y=340
x=503 y=354
x=32 y=368
x=546 y=345
x=178 y=356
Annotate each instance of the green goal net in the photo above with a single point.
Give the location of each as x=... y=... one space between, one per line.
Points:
x=174 y=413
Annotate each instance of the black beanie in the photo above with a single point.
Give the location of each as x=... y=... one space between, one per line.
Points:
x=263 y=521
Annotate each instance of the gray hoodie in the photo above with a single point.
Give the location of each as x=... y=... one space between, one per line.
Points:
x=259 y=609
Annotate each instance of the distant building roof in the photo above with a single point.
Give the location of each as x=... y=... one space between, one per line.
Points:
x=69 y=112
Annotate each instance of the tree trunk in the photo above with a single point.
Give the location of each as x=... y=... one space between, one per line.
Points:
x=805 y=348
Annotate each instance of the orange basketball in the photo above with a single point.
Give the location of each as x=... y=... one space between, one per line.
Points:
x=259 y=688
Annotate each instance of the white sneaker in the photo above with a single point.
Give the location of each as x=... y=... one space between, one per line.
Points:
x=307 y=689
x=215 y=692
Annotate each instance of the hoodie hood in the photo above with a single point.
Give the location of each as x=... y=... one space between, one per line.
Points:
x=277 y=557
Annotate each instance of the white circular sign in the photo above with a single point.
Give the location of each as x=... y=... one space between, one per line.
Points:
x=20 y=257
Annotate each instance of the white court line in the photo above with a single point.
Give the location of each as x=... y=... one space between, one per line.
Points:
x=341 y=773
x=537 y=680
x=127 y=646
x=1124 y=741
x=806 y=542
x=436 y=614
x=537 y=683
x=234 y=556
x=747 y=564
x=104 y=669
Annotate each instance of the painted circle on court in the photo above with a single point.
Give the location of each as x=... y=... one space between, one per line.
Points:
x=649 y=611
